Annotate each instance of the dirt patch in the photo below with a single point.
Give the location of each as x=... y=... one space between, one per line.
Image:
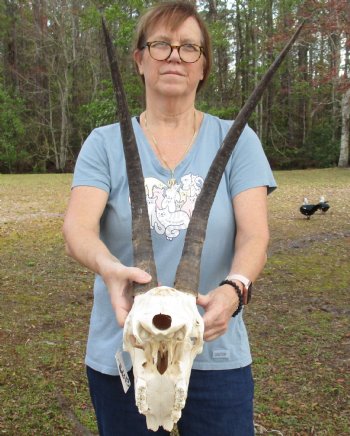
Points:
x=308 y=241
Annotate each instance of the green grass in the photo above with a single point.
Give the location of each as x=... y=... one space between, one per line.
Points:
x=298 y=320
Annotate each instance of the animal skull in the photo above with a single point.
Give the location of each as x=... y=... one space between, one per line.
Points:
x=163 y=333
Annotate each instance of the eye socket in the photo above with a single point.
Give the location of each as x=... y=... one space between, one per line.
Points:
x=143 y=334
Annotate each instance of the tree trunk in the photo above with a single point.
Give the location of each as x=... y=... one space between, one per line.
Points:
x=270 y=57
x=40 y=77
x=11 y=56
x=347 y=56
x=64 y=131
x=344 y=141
x=303 y=98
x=239 y=55
x=220 y=53
x=334 y=43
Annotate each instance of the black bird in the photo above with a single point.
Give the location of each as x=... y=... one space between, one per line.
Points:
x=308 y=209
x=323 y=205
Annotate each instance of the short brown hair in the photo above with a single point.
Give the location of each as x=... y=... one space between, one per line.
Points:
x=173 y=14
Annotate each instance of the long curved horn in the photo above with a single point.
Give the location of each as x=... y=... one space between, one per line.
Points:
x=141 y=233
x=187 y=276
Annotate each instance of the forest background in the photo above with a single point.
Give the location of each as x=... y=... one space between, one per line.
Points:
x=55 y=82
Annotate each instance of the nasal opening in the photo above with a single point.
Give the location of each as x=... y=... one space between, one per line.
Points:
x=162 y=321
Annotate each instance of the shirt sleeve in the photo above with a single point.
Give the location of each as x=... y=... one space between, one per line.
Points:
x=92 y=167
x=249 y=167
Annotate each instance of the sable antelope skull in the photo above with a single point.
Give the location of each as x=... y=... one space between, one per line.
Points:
x=163 y=334
x=164 y=330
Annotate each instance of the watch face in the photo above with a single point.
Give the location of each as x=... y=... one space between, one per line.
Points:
x=249 y=293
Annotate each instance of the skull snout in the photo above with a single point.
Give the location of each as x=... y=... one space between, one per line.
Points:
x=162 y=321
x=163 y=333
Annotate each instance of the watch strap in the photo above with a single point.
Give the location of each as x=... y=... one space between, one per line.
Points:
x=247 y=286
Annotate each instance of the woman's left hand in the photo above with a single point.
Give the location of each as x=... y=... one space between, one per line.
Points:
x=219 y=305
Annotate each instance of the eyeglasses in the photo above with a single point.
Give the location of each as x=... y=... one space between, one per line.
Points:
x=161 y=51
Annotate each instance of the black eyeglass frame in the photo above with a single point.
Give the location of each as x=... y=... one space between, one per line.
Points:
x=172 y=47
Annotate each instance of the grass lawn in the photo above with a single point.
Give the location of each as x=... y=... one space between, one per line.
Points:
x=298 y=320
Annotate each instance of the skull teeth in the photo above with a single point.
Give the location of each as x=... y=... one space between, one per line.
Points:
x=141 y=396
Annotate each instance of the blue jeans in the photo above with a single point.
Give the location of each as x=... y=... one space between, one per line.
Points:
x=219 y=403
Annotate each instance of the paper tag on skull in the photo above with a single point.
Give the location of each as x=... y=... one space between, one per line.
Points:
x=124 y=378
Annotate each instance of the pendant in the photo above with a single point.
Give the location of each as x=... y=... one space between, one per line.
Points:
x=171 y=182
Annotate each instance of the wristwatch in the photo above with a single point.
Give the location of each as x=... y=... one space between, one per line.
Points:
x=247 y=286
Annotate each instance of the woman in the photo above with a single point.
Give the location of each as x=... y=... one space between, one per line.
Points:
x=177 y=144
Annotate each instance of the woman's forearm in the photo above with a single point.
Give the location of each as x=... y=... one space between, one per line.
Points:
x=81 y=229
x=86 y=247
x=250 y=256
x=252 y=233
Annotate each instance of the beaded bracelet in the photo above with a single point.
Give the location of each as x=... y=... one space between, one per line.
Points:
x=239 y=294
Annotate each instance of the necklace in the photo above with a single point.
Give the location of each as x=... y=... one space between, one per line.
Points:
x=172 y=179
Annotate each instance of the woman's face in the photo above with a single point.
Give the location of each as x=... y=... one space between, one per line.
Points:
x=172 y=77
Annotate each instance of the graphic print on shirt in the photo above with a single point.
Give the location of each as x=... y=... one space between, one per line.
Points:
x=170 y=208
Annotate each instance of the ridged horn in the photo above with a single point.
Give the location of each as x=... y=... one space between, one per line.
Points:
x=141 y=233
x=187 y=275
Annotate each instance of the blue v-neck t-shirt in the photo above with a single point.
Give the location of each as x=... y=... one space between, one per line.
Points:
x=101 y=164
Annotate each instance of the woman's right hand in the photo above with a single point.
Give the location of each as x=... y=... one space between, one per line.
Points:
x=119 y=279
